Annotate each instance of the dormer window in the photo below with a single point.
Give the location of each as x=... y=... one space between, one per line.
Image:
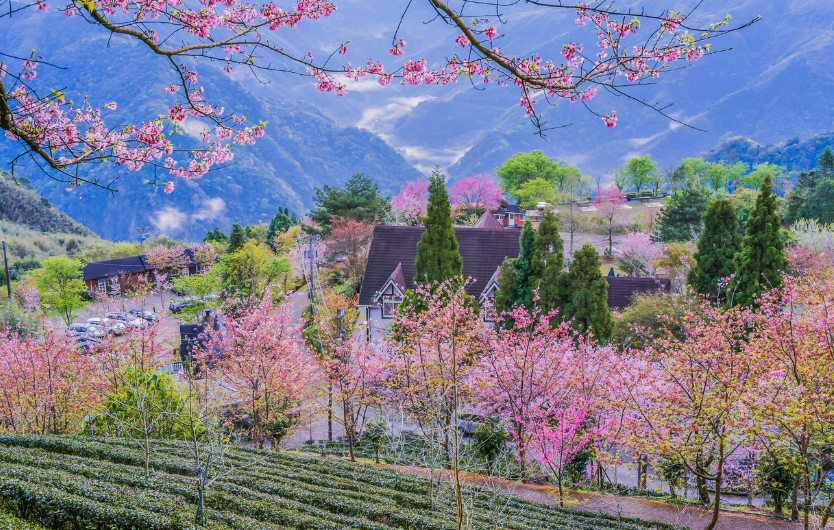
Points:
x=390 y=303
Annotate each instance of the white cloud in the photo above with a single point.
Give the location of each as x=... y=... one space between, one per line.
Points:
x=172 y=220
x=379 y=118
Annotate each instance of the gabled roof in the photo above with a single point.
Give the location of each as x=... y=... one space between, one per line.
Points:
x=621 y=289
x=115 y=267
x=397 y=279
x=510 y=208
x=489 y=222
x=491 y=284
x=482 y=250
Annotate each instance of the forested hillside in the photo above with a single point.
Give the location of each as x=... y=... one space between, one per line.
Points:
x=794 y=154
x=21 y=205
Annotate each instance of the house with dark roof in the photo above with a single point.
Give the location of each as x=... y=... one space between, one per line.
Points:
x=120 y=274
x=510 y=216
x=390 y=271
x=623 y=289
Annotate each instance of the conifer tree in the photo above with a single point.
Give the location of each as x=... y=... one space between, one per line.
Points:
x=219 y=236
x=209 y=237
x=681 y=217
x=519 y=283
x=548 y=262
x=506 y=294
x=584 y=294
x=438 y=257
x=716 y=248
x=280 y=224
x=237 y=238
x=826 y=163
x=759 y=264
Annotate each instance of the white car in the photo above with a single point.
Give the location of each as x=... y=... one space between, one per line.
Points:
x=84 y=330
x=114 y=327
x=128 y=320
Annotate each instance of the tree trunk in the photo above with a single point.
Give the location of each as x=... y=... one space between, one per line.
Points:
x=376 y=452
x=716 y=509
x=827 y=512
x=795 y=502
x=806 y=504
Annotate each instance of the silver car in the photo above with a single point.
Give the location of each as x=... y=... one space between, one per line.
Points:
x=84 y=330
x=128 y=320
x=114 y=327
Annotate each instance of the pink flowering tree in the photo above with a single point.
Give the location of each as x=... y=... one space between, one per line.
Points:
x=625 y=51
x=47 y=384
x=408 y=207
x=355 y=371
x=640 y=254
x=557 y=435
x=261 y=358
x=609 y=202
x=476 y=194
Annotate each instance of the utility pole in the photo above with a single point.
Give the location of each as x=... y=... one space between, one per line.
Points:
x=6 y=268
x=142 y=230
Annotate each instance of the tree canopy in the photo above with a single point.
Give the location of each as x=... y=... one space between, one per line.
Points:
x=359 y=199
x=438 y=258
x=522 y=168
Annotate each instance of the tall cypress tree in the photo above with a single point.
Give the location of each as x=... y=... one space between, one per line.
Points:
x=716 y=248
x=280 y=223
x=584 y=293
x=438 y=257
x=549 y=262
x=237 y=238
x=759 y=264
x=517 y=282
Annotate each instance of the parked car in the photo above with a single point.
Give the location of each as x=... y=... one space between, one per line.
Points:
x=147 y=314
x=176 y=306
x=127 y=319
x=78 y=329
x=114 y=327
x=86 y=343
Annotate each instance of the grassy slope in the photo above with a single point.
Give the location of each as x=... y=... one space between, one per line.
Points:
x=99 y=483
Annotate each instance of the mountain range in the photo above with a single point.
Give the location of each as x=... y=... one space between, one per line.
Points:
x=771 y=84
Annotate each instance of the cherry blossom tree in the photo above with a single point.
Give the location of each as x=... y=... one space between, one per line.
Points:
x=688 y=398
x=794 y=403
x=432 y=354
x=350 y=241
x=640 y=254
x=609 y=201
x=261 y=358
x=476 y=193
x=47 y=383
x=408 y=207
x=633 y=48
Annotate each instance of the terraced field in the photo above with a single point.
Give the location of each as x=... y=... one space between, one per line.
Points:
x=82 y=483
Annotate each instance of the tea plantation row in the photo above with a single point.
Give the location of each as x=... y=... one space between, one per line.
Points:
x=82 y=483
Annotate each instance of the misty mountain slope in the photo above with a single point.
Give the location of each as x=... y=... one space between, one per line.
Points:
x=794 y=154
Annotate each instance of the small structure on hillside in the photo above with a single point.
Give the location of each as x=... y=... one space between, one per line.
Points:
x=118 y=275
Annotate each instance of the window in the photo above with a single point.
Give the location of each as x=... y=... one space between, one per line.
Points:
x=102 y=285
x=185 y=272
x=389 y=305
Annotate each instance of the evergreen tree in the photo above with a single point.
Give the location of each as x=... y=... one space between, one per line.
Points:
x=359 y=200
x=682 y=215
x=237 y=238
x=797 y=198
x=209 y=237
x=759 y=264
x=438 y=258
x=518 y=284
x=716 y=248
x=548 y=262
x=219 y=236
x=280 y=224
x=584 y=294
x=820 y=205
x=826 y=163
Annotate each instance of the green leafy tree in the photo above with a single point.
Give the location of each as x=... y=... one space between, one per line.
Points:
x=680 y=220
x=519 y=284
x=200 y=289
x=755 y=179
x=524 y=167
x=640 y=171
x=246 y=274
x=716 y=248
x=584 y=295
x=535 y=191
x=60 y=285
x=820 y=205
x=759 y=264
x=491 y=439
x=549 y=262
x=359 y=200
x=237 y=238
x=219 y=236
x=375 y=433
x=438 y=258
x=690 y=170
